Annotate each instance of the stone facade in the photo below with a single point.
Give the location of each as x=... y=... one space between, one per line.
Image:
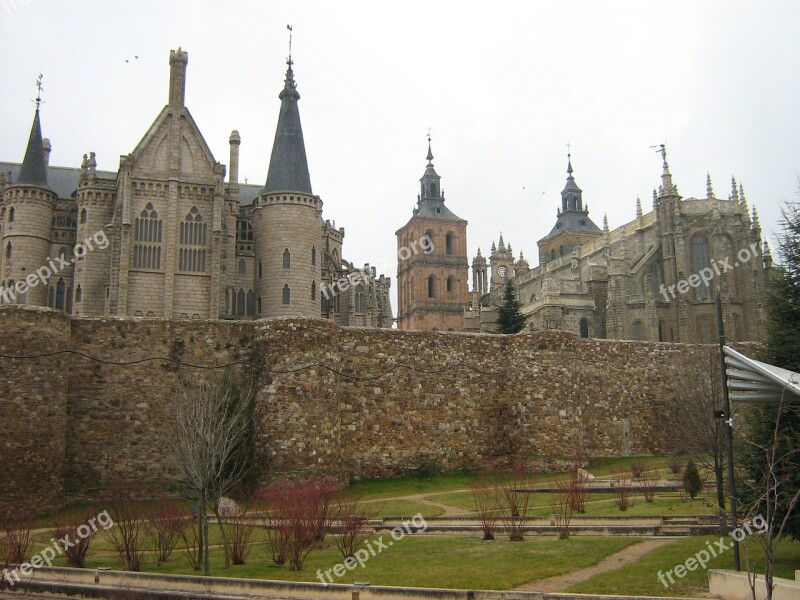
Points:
x=369 y=402
x=182 y=241
x=642 y=280
x=432 y=267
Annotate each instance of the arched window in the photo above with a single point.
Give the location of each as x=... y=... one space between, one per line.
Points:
x=286 y=293
x=51 y=297
x=553 y=254
x=147 y=231
x=313 y=290
x=78 y=294
x=260 y=269
x=638 y=330
x=429 y=235
x=194 y=233
x=242 y=267
x=83 y=216
x=584 y=327
x=661 y=331
x=450 y=284
x=9 y=250
x=657 y=276
x=431 y=286
x=251 y=303
x=561 y=250
x=359 y=298
x=287 y=259
x=700 y=262
x=241 y=306
x=11 y=214
x=61 y=289
x=259 y=304
x=448 y=243
x=313 y=255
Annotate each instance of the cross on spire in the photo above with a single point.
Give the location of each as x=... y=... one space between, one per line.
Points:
x=289 y=60
x=39 y=88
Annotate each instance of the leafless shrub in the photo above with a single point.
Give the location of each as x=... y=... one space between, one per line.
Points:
x=351 y=518
x=76 y=551
x=240 y=533
x=128 y=536
x=622 y=492
x=165 y=523
x=637 y=468
x=16 y=537
x=648 y=483
x=191 y=535
x=562 y=504
x=675 y=465
x=514 y=495
x=486 y=501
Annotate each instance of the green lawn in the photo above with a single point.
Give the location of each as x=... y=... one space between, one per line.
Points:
x=372 y=489
x=401 y=508
x=641 y=577
x=463 y=562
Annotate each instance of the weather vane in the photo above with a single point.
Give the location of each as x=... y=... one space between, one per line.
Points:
x=429 y=133
x=39 y=93
x=569 y=148
x=289 y=62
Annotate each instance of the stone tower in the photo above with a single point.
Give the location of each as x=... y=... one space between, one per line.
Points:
x=287 y=221
x=501 y=261
x=28 y=205
x=432 y=264
x=95 y=204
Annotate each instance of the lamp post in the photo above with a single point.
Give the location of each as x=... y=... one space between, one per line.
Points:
x=726 y=406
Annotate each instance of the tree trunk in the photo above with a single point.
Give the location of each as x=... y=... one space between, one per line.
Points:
x=200 y=538
x=206 y=565
x=225 y=546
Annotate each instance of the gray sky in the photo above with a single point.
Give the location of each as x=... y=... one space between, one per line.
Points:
x=503 y=85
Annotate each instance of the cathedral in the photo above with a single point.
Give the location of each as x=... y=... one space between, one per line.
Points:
x=168 y=236
x=654 y=278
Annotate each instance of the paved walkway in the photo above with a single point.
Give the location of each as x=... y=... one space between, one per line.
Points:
x=609 y=563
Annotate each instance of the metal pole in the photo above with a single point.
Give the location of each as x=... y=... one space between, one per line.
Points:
x=726 y=405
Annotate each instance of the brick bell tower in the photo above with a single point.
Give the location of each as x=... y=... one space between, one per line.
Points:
x=432 y=263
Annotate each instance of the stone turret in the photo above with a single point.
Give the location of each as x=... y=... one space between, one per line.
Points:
x=287 y=221
x=29 y=204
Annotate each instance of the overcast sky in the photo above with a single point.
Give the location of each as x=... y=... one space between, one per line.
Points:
x=503 y=85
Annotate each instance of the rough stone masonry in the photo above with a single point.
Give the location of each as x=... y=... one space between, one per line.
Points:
x=71 y=427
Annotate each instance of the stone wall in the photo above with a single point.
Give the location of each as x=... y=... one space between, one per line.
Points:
x=341 y=401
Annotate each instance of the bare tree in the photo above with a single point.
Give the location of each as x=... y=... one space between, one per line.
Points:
x=352 y=520
x=484 y=496
x=211 y=443
x=514 y=494
x=562 y=503
x=700 y=434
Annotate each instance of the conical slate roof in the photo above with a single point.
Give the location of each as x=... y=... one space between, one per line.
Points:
x=33 y=170
x=288 y=166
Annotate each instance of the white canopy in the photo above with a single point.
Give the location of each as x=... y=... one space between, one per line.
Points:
x=752 y=381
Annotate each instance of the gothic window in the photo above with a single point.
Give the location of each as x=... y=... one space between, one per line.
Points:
x=244 y=231
x=431 y=286
x=51 y=297
x=78 y=294
x=259 y=304
x=9 y=250
x=553 y=254
x=11 y=214
x=324 y=304
x=251 y=304
x=287 y=259
x=359 y=299
x=657 y=275
x=448 y=243
x=561 y=250
x=147 y=231
x=313 y=255
x=313 y=290
x=240 y=303
x=661 y=331
x=638 y=330
x=450 y=284
x=286 y=293
x=584 y=327
x=699 y=262
x=61 y=289
x=69 y=301
x=242 y=267
x=260 y=269
x=83 y=216
x=429 y=235
x=194 y=233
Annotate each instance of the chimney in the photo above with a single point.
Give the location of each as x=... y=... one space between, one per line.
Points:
x=47 y=147
x=178 y=60
x=234 y=140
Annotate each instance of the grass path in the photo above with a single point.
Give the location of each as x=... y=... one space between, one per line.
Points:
x=609 y=563
x=449 y=511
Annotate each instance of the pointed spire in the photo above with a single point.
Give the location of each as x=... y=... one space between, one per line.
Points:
x=501 y=245
x=638 y=207
x=479 y=250
x=667 y=186
x=742 y=199
x=756 y=223
x=734 y=191
x=709 y=189
x=655 y=199
x=494 y=248
x=605 y=223
x=33 y=171
x=288 y=166
x=429 y=158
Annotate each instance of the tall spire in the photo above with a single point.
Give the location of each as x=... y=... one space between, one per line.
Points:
x=709 y=189
x=34 y=170
x=734 y=190
x=288 y=166
x=571 y=195
x=667 y=186
x=638 y=208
